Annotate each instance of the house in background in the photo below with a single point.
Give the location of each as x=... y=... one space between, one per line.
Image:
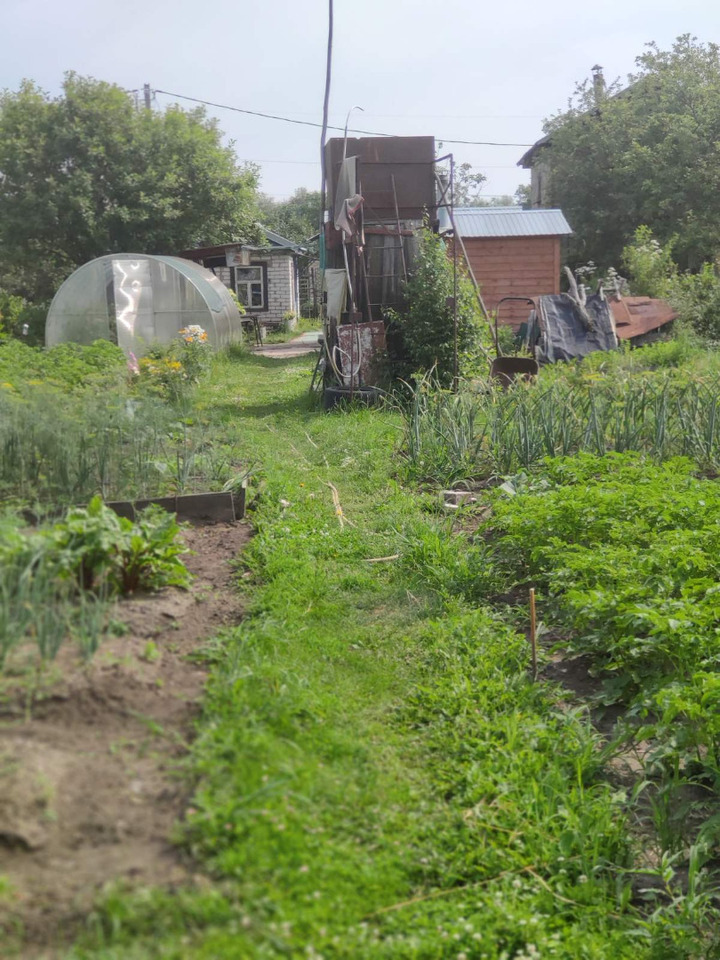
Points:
x=265 y=279
x=512 y=253
x=537 y=158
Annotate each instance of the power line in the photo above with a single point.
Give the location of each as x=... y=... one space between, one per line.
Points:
x=399 y=163
x=310 y=123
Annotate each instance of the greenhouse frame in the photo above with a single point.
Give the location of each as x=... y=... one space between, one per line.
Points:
x=136 y=300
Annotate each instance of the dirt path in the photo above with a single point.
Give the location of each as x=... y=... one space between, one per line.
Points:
x=90 y=786
x=297 y=347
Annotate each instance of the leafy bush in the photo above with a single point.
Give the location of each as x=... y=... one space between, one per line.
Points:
x=56 y=581
x=650 y=265
x=17 y=313
x=627 y=557
x=96 y=546
x=67 y=365
x=695 y=295
x=170 y=370
x=427 y=323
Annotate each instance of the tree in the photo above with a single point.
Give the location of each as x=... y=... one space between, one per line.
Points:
x=297 y=218
x=467 y=186
x=87 y=173
x=648 y=154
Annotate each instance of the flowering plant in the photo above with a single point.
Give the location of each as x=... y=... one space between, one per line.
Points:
x=193 y=334
x=193 y=351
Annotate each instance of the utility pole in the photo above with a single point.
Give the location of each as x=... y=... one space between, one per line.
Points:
x=147 y=96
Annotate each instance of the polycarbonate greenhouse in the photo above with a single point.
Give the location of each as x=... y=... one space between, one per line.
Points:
x=137 y=299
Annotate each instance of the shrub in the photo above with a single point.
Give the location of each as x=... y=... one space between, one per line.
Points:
x=427 y=322
x=68 y=365
x=696 y=296
x=57 y=581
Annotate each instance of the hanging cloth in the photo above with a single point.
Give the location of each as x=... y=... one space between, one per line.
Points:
x=335 y=284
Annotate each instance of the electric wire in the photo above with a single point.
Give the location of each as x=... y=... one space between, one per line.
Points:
x=312 y=123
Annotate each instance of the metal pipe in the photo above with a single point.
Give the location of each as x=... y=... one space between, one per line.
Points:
x=455 y=281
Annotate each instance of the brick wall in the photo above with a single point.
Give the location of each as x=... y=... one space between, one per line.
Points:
x=281 y=283
x=281 y=292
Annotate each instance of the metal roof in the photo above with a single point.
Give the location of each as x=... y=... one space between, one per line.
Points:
x=277 y=241
x=510 y=222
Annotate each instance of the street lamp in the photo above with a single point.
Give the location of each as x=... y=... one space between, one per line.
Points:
x=347 y=121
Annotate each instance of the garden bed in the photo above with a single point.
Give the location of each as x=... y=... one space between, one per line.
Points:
x=91 y=788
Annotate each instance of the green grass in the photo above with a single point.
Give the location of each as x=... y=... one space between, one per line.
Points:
x=375 y=773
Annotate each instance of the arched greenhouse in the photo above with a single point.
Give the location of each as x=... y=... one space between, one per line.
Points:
x=135 y=300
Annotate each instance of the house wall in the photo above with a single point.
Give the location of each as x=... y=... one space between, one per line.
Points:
x=514 y=267
x=540 y=192
x=281 y=285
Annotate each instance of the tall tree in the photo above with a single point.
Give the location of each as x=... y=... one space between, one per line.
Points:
x=467 y=186
x=87 y=173
x=296 y=218
x=647 y=154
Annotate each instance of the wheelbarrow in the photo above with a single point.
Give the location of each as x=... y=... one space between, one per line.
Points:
x=505 y=370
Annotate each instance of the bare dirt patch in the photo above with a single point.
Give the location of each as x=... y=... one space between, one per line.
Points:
x=91 y=784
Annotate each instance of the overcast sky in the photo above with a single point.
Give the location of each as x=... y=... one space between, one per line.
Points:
x=461 y=69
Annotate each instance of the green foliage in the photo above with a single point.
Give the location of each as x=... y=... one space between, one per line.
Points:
x=427 y=322
x=297 y=218
x=625 y=554
x=18 y=315
x=467 y=186
x=696 y=296
x=487 y=431
x=646 y=155
x=650 y=265
x=87 y=174
x=171 y=370
x=72 y=426
x=99 y=548
x=653 y=272
x=56 y=580
x=376 y=774
x=68 y=365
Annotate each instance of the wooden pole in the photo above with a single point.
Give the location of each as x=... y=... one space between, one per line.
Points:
x=533 y=638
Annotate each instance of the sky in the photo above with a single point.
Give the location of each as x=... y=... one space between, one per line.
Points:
x=461 y=69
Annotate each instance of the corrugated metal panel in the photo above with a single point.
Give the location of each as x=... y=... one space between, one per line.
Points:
x=510 y=222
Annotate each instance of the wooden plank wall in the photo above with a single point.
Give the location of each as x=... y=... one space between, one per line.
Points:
x=514 y=267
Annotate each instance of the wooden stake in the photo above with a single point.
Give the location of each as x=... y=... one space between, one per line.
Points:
x=533 y=639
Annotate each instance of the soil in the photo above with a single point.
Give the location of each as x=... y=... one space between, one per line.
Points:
x=92 y=783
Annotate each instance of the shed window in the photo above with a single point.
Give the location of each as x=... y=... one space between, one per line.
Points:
x=250 y=286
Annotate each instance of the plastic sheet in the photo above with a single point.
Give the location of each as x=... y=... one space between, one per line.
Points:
x=561 y=330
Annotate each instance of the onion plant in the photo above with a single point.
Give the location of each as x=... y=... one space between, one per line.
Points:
x=494 y=432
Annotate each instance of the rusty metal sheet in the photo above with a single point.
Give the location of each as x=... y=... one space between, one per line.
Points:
x=637 y=316
x=370 y=344
x=410 y=160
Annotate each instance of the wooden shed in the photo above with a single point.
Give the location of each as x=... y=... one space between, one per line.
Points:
x=512 y=253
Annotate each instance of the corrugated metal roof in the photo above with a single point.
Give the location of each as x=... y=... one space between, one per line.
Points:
x=510 y=222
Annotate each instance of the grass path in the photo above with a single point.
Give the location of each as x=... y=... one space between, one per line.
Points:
x=376 y=776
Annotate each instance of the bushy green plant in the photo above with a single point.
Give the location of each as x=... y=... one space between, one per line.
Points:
x=21 y=318
x=626 y=555
x=650 y=264
x=97 y=547
x=69 y=366
x=56 y=581
x=427 y=321
x=695 y=295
